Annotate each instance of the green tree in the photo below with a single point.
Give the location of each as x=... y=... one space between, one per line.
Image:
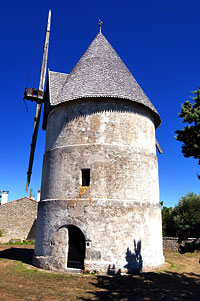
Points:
x=182 y=220
x=168 y=224
x=186 y=216
x=190 y=134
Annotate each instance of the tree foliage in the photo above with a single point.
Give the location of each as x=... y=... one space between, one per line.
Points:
x=183 y=220
x=168 y=225
x=190 y=134
x=187 y=216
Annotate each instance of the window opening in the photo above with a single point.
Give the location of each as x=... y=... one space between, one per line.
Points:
x=85 y=177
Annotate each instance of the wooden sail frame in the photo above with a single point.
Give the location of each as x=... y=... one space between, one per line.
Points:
x=38 y=96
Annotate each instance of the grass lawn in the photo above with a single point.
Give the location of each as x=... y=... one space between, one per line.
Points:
x=179 y=280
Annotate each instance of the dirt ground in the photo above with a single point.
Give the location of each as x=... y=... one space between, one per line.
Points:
x=179 y=280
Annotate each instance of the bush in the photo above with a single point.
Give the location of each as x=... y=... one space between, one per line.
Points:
x=183 y=220
x=187 y=216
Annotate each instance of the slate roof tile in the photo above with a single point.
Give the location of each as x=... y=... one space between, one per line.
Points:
x=99 y=73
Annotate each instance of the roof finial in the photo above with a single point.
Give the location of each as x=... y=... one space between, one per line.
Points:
x=100 y=23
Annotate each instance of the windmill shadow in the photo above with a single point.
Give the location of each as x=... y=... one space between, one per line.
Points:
x=22 y=254
x=146 y=286
x=166 y=285
x=134 y=259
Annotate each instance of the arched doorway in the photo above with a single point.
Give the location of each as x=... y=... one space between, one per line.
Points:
x=76 y=248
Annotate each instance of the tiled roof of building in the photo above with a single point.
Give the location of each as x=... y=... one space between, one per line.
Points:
x=20 y=199
x=57 y=82
x=99 y=73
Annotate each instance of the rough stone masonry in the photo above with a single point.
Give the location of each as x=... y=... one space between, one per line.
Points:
x=99 y=207
x=18 y=219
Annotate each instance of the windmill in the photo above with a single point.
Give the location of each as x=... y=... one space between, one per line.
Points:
x=38 y=95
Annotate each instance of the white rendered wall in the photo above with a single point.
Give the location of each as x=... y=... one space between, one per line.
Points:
x=4 y=197
x=119 y=213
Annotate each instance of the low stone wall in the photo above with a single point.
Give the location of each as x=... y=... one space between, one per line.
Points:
x=170 y=243
x=17 y=219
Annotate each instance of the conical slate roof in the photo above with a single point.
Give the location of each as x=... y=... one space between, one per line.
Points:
x=99 y=73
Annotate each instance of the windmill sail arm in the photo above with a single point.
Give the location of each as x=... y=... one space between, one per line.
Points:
x=38 y=96
x=34 y=95
x=158 y=147
x=45 y=54
x=33 y=143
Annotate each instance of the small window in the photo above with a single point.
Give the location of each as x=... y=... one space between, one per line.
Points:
x=85 y=177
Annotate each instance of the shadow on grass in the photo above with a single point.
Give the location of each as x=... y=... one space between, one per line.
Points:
x=147 y=286
x=22 y=254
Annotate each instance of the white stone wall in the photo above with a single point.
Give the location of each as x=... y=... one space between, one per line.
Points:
x=116 y=141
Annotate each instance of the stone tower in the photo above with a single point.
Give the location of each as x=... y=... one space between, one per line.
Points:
x=99 y=207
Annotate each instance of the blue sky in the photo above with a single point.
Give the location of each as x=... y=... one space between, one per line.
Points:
x=157 y=40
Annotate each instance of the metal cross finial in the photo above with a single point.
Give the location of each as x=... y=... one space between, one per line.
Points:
x=100 y=23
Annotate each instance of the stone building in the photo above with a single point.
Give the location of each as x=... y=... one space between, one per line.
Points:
x=18 y=219
x=99 y=207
